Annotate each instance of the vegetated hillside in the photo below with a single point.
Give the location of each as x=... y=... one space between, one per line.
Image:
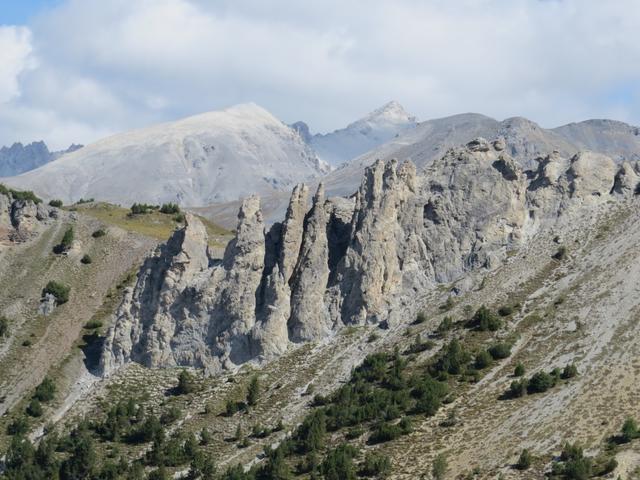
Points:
x=62 y=273
x=212 y=157
x=517 y=359
x=359 y=137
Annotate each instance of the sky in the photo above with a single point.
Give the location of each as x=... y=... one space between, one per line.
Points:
x=74 y=71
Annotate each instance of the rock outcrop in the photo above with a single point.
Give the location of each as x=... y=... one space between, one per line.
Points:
x=346 y=261
x=20 y=218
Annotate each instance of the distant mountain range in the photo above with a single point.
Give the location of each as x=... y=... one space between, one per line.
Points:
x=215 y=159
x=19 y=158
x=204 y=159
x=359 y=137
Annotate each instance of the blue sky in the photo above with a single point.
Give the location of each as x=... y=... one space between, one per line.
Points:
x=20 y=12
x=78 y=70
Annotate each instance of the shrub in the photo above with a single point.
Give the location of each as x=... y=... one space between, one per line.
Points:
x=26 y=195
x=85 y=200
x=338 y=464
x=569 y=371
x=500 y=351
x=629 y=430
x=420 y=318
x=55 y=203
x=4 y=326
x=540 y=382
x=26 y=343
x=310 y=435
x=186 y=383
x=58 y=290
x=99 y=233
x=142 y=208
x=439 y=467
x=170 y=208
x=376 y=465
x=46 y=390
x=66 y=242
x=385 y=432
x=483 y=360
x=505 y=310
x=519 y=370
x=445 y=325
x=524 y=461
x=253 y=391
x=34 y=408
x=93 y=324
x=171 y=415
x=86 y=259
x=20 y=426
x=518 y=388
x=453 y=358
x=179 y=218
x=485 y=320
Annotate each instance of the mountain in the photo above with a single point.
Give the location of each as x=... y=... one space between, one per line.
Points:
x=212 y=157
x=477 y=317
x=363 y=135
x=429 y=140
x=19 y=158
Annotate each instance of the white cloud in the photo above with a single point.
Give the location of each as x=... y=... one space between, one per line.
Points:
x=108 y=65
x=15 y=47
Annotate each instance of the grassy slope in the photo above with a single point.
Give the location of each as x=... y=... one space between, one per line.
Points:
x=155 y=225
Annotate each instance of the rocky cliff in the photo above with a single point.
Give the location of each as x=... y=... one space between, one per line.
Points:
x=347 y=261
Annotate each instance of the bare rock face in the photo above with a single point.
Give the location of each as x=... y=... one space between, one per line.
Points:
x=346 y=261
x=21 y=219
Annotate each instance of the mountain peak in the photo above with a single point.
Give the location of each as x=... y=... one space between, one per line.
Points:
x=390 y=112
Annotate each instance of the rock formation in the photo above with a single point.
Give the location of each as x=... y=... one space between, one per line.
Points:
x=346 y=261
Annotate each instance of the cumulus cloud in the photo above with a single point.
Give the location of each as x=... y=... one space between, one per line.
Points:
x=91 y=67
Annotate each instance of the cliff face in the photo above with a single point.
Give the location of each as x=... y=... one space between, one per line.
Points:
x=346 y=261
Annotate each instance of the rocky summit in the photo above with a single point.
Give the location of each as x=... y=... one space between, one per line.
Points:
x=334 y=263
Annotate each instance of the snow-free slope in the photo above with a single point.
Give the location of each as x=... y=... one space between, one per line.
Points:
x=212 y=157
x=359 y=137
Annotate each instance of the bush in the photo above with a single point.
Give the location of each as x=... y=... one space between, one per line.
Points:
x=540 y=382
x=66 y=242
x=4 y=326
x=20 y=426
x=453 y=359
x=34 y=408
x=505 y=310
x=46 y=390
x=186 y=383
x=26 y=195
x=93 y=324
x=86 y=259
x=58 y=290
x=518 y=388
x=170 y=208
x=142 y=208
x=253 y=391
x=519 y=370
x=338 y=464
x=500 y=351
x=569 y=371
x=439 y=467
x=376 y=465
x=99 y=233
x=385 y=432
x=629 y=430
x=420 y=318
x=445 y=325
x=170 y=416
x=55 y=203
x=524 y=461
x=485 y=320
x=483 y=360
